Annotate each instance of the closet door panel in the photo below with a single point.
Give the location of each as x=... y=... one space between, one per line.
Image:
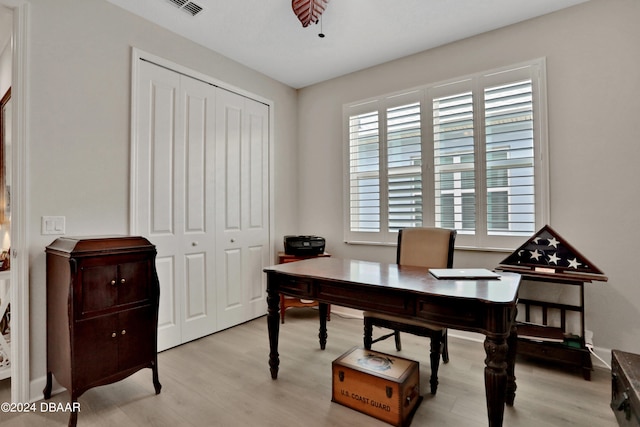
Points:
x=242 y=207
x=169 y=329
x=198 y=240
x=157 y=129
x=256 y=199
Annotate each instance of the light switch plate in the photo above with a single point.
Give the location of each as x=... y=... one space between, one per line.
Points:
x=53 y=225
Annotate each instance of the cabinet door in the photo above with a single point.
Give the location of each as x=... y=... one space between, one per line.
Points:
x=106 y=286
x=134 y=282
x=95 y=349
x=98 y=290
x=136 y=337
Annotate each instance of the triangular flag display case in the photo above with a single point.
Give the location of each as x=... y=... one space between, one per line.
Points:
x=547 y=257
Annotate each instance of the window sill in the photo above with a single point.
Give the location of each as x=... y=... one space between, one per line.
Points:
x=457 y=248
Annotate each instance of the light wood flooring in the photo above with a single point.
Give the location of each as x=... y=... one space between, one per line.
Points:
x=224 y=380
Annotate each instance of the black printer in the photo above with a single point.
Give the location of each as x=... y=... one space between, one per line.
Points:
x=303 y=245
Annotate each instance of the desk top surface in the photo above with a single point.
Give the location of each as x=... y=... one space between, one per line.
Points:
x=403 y=278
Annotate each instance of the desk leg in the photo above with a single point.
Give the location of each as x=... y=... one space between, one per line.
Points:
x=273 y=325
x=512 y=341
x=495 y=379
x=322 y=335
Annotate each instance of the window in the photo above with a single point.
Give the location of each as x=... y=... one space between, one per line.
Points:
x=469 y=154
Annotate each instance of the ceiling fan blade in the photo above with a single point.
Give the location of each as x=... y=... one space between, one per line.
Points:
x=308 y=11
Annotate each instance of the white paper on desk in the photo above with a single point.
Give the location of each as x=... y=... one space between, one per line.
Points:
x=463 y=273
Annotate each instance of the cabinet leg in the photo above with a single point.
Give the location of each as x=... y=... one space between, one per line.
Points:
x=73 y=418
x=47 y=387
x=156 y=383
x=75 y=406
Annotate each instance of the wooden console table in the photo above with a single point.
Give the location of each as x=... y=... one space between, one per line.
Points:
x=293 y=302
x=484 y=306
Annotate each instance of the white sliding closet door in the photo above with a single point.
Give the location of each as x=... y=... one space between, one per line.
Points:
x=200 y=193
x=242 y=221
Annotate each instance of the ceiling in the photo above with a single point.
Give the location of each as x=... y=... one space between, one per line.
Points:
x=266 y=36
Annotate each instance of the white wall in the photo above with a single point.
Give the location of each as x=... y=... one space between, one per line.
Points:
x=594 y=140
x=80 y=64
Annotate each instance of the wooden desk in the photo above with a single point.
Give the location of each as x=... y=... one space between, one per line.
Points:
x=485 y=306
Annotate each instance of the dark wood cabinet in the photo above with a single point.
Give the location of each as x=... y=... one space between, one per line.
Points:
x=625 y=387
x=102 y=312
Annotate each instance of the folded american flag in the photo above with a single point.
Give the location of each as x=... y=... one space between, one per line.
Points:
x=547 y=250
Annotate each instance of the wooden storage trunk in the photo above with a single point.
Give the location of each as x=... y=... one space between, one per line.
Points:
x=625 y=387
x=377 y=384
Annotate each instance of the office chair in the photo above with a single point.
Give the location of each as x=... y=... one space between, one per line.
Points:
x=422 y=247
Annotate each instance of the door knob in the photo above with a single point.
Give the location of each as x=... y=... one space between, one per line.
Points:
x=194 y=243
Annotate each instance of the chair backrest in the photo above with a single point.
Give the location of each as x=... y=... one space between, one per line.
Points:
x=429 y=247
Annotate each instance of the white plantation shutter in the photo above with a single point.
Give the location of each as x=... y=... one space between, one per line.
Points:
x=404 y=166
x=510 y=159
x=454 y=162
x=364 y=172
x=469 y=155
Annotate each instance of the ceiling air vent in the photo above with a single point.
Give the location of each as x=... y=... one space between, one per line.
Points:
x=187 y=6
